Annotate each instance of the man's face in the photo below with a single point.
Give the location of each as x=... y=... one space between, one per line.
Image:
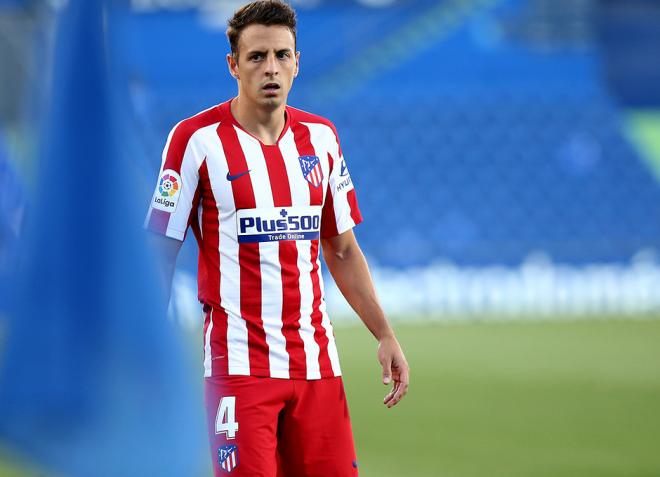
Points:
x=267 y=63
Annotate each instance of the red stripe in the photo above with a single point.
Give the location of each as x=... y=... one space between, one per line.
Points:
x=174 y=154
x=181 y=136
x=248 y=253
x=288 y=256
x=328 y=218
x=208 y=238
x=305 y=148
x=279 y=180
x=320 y=333
x=209 y=270
x=356 y=215
x=193 y=219
x=331 y=164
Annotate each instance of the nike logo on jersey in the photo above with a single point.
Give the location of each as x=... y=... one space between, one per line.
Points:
x=234 y=177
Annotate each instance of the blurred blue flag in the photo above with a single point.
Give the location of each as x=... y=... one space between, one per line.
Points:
x=94 y=381
x=11 y=216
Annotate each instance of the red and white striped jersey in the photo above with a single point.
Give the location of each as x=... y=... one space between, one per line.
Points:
x=258 y=212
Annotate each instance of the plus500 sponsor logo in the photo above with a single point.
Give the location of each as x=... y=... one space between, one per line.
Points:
x=283 y=223
x=292 y=223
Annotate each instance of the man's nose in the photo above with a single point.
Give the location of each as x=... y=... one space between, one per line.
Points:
x=272 y=67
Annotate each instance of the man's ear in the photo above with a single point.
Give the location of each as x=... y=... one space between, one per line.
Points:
x=232 y=65
x=295 y=73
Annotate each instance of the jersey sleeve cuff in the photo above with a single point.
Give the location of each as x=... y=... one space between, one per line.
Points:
x=174 y=234
x=158 y=222
x=345 y=227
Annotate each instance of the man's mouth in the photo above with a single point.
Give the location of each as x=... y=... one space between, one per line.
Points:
x=271 y=87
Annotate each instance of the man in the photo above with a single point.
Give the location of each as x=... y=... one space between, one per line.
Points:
x=261 y=183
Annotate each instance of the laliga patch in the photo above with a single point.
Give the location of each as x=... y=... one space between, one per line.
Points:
x=168 y=191
x=228 y=457
x=311 y=169
x=278 y=223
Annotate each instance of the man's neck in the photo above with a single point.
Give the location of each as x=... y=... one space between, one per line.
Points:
x=265 y=124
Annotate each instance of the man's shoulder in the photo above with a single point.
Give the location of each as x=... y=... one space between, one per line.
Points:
x=298 y=115
x=188 y=126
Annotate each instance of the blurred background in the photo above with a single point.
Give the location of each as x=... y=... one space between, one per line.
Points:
x=506 y=157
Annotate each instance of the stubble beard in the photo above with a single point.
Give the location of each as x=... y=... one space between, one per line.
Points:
x=271 y=103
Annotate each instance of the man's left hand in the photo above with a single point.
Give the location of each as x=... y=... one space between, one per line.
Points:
x=395 y=369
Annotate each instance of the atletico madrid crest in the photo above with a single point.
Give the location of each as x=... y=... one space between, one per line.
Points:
x=311 y=169
x=228 y=457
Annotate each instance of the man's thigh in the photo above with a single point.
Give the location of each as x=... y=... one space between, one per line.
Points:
x=314 y=436
x=242 y=415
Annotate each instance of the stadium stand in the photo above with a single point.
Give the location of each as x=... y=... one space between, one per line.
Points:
x=468 y=139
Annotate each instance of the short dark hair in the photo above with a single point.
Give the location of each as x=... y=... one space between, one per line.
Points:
x=261 y=12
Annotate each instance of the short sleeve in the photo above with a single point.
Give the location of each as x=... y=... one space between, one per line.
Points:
x=177 y=186
x=340 y=209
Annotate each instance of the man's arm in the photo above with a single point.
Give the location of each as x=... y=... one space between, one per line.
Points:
x=349 y=269
x=166 y=251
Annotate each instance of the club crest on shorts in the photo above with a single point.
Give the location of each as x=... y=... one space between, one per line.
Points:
x=311 y=169
x=228 y=457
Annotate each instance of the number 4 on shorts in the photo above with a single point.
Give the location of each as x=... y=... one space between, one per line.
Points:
x=225 y=420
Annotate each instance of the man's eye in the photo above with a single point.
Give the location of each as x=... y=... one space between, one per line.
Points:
x=283 y=54
x=256 y=56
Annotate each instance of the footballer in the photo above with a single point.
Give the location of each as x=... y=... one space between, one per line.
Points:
x=265 y=189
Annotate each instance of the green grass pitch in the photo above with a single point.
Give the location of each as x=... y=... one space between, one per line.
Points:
x=511 y=399
x=543 y=399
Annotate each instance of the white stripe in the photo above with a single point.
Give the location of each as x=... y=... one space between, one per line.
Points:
x=200 y=209
x=324 y=141
x=297 y=183
x=230 y=284
x=208 y=371
x=269 y=255
x=306 y=330
x=332 y=346
x=340 y=200
x=189 y=172
x=300 y=196
x=163 y=156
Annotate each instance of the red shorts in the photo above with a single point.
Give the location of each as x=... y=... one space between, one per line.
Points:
x=269 y=427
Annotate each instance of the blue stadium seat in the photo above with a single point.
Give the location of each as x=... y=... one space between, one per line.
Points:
x=472 y=155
